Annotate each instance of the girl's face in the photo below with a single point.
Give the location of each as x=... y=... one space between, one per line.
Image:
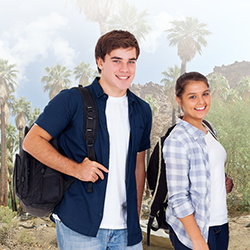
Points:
x=195 y=101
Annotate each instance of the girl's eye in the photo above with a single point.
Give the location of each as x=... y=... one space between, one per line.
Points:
x=116 y=61
x=206 y=93
x=132 y=62
x=192 y=97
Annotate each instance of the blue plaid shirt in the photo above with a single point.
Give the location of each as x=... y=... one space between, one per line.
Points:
x=188 y=178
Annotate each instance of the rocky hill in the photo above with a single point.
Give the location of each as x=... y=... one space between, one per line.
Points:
x=234 y=72
x=163 y=117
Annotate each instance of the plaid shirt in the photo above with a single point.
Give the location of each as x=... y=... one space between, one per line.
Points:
x=188 y=179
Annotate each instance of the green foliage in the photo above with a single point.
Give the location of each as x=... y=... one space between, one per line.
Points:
x=6 y=215
x=25 y=238
x=190 y=27
x=9 y=73
x=129 y=19
x=56 y=75
x=21 y=106
x=33 y=116
x=153 y=103
x=83 y=72
x=189 y=36
x=243 y=87
x=232 y=121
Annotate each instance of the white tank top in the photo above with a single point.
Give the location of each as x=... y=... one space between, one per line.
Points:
x=115 y=208
x=217 y=157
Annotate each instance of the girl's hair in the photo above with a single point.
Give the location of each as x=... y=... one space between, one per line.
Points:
x=184 y=79
x=115 y=39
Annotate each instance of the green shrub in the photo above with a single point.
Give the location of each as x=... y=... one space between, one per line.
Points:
x=6 y=215
x=232 y=121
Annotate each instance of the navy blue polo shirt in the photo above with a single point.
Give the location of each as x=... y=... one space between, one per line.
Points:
x=63 y=116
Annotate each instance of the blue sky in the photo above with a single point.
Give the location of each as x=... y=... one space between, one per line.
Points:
x=35 y=34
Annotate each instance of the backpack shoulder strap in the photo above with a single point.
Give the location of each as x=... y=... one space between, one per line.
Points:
x=90 y=123
x=209 y=128
x=159 y=195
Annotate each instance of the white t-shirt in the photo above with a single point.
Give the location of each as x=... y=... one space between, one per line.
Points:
x=115 y=208
x=217 y=157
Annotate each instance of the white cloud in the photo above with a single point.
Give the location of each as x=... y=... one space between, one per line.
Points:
x=158 y=24
x=63 y=52
x=24 y=44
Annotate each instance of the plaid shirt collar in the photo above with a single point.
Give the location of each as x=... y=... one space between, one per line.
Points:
x=193 y=131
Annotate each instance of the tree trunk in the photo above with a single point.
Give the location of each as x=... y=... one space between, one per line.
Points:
x=20 y=140
x=103 y=27
x=13 y=197
x=173 y=117
x=183 y=67
x=147 y=192
x=6 y=188
x=4 y=180
x=183 y=70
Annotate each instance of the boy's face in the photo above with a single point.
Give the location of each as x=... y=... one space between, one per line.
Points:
x=117 y=71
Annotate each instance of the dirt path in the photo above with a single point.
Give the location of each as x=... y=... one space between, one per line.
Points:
x=36 y=233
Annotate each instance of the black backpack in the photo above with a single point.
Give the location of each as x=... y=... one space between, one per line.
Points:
x=156 y=177
x=39 y=187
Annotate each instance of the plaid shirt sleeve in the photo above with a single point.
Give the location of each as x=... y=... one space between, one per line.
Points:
x=177 y=170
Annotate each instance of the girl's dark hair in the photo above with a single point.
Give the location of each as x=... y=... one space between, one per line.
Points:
x=114 y=40
x=184 y=79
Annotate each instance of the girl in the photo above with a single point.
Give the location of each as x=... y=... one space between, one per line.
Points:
x=197 y=209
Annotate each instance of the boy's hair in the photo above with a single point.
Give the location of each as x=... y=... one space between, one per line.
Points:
x=184 y=79
x=114 y=40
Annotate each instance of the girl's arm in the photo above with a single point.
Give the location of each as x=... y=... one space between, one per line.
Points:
x=194 y=232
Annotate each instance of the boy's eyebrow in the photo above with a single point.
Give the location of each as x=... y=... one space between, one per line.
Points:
x=119 y=58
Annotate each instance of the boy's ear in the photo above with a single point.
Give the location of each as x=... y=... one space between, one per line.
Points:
x=99 y=62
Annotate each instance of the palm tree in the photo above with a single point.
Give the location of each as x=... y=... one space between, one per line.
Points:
x=22 y=109
x=84 y=72
x=219 y=87
x=243 y=87
x=4 y=152
x=12 y=138
x=56 y=79
x=12 y=146
x=33 y=116
x=8 y=76
x=152 y=103
x=189 y=36
x=129 y=19
x=169 y=81
x=96 y=11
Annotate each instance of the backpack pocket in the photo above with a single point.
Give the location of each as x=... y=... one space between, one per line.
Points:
x=52 y=186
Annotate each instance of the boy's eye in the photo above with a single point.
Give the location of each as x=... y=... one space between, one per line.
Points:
x=132 y=62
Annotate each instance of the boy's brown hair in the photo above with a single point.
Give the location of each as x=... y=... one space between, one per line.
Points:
x=114 y=40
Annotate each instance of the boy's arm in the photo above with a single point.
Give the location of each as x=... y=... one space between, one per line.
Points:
x=36 y=143
x=140 y=175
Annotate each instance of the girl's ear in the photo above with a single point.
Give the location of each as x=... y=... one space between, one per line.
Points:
x=178 y=99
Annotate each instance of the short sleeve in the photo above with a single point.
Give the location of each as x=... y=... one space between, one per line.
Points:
x=59 y=112
x=145 y=140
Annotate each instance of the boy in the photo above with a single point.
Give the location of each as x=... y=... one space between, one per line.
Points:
x=109 y=216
